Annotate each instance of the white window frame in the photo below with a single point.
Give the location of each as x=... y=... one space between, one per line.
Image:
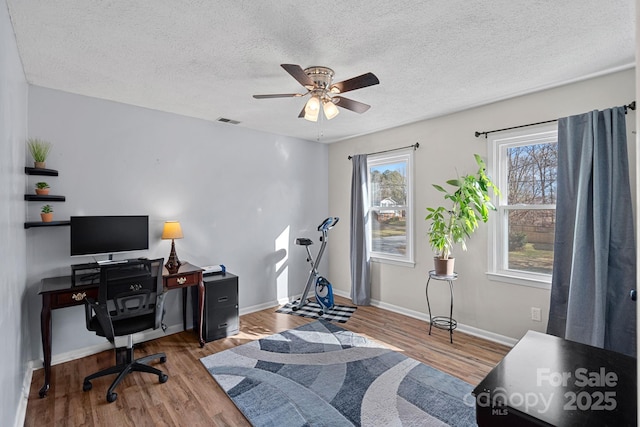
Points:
x=386 y=158
x=498 y=249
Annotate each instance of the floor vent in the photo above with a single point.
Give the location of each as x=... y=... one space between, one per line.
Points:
x=225 y=120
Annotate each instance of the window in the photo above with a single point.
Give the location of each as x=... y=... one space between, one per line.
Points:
x=390 y=179
x=524 y=165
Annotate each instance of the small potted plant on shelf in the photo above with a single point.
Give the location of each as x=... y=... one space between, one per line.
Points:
x=46 y=213
x=39 y=150
x=470 y=203
x=42 y=188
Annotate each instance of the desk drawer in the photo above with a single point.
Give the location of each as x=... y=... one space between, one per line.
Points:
x=182 y=280
x=72 y=297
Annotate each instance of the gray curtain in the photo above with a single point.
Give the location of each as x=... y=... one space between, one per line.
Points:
x=360 y=276
x=595 y=256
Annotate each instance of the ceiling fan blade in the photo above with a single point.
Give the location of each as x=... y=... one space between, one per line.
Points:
x=350 y=104
x=278 y=95
x=368 y=79
x=298 y=73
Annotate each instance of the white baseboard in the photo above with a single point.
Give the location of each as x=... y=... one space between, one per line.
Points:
x=150 y=335
x=264 y=306
x=480 y=333
x=260 y=307
x=21 y=411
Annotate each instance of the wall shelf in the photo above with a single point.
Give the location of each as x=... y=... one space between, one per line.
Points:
x=42 y=172
x=47 y=198
x=46 y=224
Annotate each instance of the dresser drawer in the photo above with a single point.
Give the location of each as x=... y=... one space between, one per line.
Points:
x=182 y=280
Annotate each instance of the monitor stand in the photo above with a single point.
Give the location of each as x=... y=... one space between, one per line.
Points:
x=111 y=261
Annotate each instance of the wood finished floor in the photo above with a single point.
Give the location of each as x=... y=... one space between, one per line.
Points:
x=192 y=398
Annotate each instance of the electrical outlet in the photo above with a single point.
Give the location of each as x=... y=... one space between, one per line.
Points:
x=535 y=314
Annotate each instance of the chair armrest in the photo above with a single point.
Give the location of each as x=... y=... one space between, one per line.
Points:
x=102 y=314
x=160 y=312
x=88 y=311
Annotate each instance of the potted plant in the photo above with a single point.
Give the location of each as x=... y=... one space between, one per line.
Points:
x=39 y=150
x=42 y=188
x=470 y=203
x=46 y=213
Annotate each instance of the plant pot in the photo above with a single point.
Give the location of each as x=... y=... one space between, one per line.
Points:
x=443 y=267
x=42 y=191
x=47 y=217
x=40 y=165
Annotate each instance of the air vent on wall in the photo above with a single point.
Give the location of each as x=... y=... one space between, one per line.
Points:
x=225 y=120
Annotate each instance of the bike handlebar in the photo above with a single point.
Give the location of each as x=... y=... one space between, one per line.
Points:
x=328 y=223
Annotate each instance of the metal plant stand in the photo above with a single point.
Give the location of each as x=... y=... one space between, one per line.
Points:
x=442 y=322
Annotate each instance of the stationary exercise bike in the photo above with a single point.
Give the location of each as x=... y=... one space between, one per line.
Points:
x=323 y=290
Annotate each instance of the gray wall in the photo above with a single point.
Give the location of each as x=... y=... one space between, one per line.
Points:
x=13 y=312
x=446 y=147
x=241 y=197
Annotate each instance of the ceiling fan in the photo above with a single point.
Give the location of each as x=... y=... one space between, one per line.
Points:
x=318 y=82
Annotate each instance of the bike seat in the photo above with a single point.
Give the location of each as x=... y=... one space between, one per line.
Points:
x=303 y=241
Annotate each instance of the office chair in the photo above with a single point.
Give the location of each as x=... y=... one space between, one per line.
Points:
x=130 y=300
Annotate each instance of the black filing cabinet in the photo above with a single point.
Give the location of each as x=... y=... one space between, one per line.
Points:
x=220 y=307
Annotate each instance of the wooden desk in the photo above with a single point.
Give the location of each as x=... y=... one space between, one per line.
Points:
x=58 y=292
x=188 y=275
x=549 y=381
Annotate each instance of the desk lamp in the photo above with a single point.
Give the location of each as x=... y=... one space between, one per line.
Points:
x=172 y=230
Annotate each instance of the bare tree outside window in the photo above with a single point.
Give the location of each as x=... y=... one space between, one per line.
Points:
x=531 y=199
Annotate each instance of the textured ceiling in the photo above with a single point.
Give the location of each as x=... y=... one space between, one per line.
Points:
x=206 y=58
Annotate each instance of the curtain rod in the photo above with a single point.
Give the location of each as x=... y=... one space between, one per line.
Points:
x=415 y=147
x=631 y=106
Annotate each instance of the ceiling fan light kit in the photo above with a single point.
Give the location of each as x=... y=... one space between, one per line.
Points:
x=318 y=82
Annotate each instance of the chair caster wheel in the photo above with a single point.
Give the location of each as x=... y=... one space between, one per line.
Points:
x=320 y=313
x=295 y=308
x=111 y=397
x=163 y=359
x=163 y=378
x=86 y=386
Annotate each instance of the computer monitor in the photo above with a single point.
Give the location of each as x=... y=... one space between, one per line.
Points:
x=100 y=235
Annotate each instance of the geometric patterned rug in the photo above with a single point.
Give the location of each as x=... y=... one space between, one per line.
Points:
x=339 y=313
x=322 y=375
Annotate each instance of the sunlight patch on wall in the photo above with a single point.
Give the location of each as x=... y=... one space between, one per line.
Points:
x=282 y=267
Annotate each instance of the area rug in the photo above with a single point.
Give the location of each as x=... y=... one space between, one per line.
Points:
x=339 y=313
x=322 y=375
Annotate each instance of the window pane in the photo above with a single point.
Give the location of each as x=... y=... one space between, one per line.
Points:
x=531 y=237
x=389 y=231
x=388 y=184
x=532 y=174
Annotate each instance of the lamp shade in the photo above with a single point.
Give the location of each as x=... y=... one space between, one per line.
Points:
x=330 y=109
x=172 y=230
x=312 y=109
